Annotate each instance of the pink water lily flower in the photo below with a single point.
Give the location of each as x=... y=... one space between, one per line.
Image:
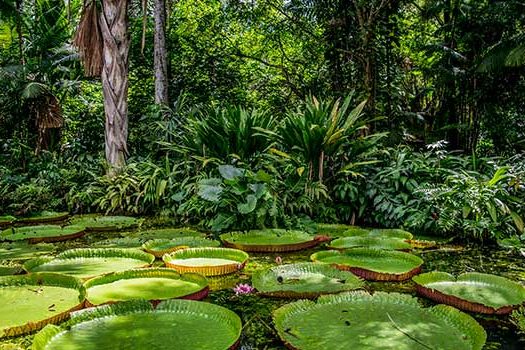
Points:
x=243 y=288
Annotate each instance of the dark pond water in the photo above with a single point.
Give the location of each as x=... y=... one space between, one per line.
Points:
x=255 y=311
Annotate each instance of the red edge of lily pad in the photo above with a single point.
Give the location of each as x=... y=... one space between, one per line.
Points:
x=462 y=304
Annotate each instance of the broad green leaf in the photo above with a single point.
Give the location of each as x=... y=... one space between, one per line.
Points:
x=249 y=206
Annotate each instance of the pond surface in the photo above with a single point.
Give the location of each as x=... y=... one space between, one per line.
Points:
x=255 y=311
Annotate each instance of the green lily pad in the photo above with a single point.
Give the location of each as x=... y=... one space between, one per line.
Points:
x=334 y=230
x=87 y=263
x=174 y=324
x=358 y=320
x=23 y=250
x=168 y=233
x=271 y=240
x=43 y=233
x=373 y=264
x=304 y=280
x=150 y=284
x=6 y=220
x=29 y=302
x=472 y=291
x=206 y=261
x=97 y=223
x=369 y=242
x=123 y=242
x=391 y=233
x=43 y=217
x=7 y=270
x=159 y=247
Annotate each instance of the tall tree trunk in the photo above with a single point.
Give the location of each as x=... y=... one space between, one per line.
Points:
x=114 y=28
x=161 y=54
x=19 y=14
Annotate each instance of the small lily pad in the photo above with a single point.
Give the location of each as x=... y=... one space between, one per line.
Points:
x=207 y=261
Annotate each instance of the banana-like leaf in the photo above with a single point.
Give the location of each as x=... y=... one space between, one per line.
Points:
x=304 y=280
x=207 y=261
x=99 y=223
x=24 y=251
x=472 y=291
x=91 y=262
x=43 y=217
x=152 y=284
x=369 y=242
x=42 y=233
x=29 y=302
x=159 y=247
x=270 y=240
x=373 y=264
x=358 y=320
x=174 y=324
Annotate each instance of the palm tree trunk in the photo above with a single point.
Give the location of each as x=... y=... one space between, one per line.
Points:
x=161 y=54
x=114 y=28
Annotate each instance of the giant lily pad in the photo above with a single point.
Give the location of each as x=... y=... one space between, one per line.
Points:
x=43 y=233
x=373 y=264
x=87 y=263
x=43 y=217
x=159 y=247
x=357 y=320
x=150 y=284
x=472 y=291
x=23 y=250
x=304 y=280
x=174 y=324
x=369 y=242
x=207 y=261
x=29 y=302
x=97 y=223
x=272 y=240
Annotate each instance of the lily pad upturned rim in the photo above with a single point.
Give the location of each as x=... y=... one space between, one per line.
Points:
x=448 y=314
x=178 y=243
x=46 y=279
x=149 y=273
x=208 y=252
x=91 y=253
x=66 y=233
x=386 y=243
x=43 y=217
x=224 y=316
x=304 y=241
x=468 y=305
x=267 y=290
x=369 y=274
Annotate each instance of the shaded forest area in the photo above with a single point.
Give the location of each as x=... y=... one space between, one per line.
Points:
x=245 y=114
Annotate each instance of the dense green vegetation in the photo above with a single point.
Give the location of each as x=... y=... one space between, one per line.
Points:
x=383 y=113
